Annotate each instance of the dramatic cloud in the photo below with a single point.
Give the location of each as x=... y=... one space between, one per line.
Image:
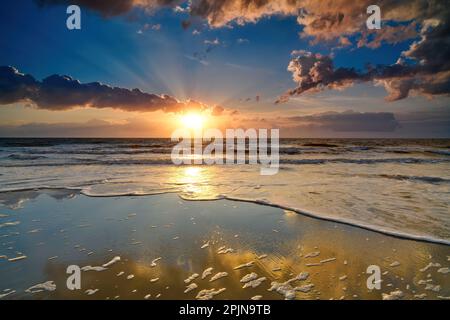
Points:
x=424 y=68
x=63 y=92
x=426 y=123
x=322 y=20
x=92 y=128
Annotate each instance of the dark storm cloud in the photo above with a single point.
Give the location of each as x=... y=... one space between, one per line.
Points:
x=349 y=121
x=58 y=92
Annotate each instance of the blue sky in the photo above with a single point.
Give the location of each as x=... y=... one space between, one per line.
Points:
x=249 y=60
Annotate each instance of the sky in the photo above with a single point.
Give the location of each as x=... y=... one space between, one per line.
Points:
x=308 y=68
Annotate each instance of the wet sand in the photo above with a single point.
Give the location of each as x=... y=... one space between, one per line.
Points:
x=167 y=247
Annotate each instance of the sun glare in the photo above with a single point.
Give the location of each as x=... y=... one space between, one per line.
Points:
x=193 y=121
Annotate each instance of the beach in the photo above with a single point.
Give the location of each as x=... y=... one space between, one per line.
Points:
x=139 y=227
x=159 y=246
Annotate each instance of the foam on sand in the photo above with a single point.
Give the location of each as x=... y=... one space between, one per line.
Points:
x=190 y=278
x=327 y=260
x=393 y=295
x=102 y=267
x=444 y=270
x=433 y=287
x=208 y=294
x=287 y=290
x=17 y=258
x=47 y=286
x=312 y=254
x=218 y=275
x=3 y=295
x=430 y=265
x=111 y=262
x=207 y=272
x=205 y=245
x=153 y=263
x=244 y=265
x=90 y=292
x=91 y=268
x=9 y=224
x=254 y=283
x=191 y=287
x=249 y=277
x=224 y=250
x=304 y=288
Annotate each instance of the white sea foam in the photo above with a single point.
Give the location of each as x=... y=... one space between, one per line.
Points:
x=312 y=254
x=47 y=286
x=3 y=295
x=207 y=272
x=218 y=275
x=393 y=295
x=208 y=294
x=111 y=262
x=245 y=265
x=249 y=277
x=191 y=278
x=433 y=287
x=430 y=265
x=444 y=270
x=190 y=287
x=154 y=261
x=254 y=283
x=95 y=268
x=90 y=292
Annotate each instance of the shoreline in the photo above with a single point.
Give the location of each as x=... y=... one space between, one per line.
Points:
x=395 y=234
x=163 y=240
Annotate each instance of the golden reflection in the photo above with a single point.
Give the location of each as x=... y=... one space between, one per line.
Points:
x=194 y=172
x=341 y=278
x=195 y=182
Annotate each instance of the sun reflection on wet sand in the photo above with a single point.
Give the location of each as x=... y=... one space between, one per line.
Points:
x=163 y=241
x=196 y=182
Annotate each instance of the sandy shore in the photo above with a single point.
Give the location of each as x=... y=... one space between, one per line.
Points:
x=175 y=249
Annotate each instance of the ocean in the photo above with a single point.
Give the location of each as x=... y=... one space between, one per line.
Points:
x=395 y=186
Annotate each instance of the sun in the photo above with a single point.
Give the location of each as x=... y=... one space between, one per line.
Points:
x=194 y=121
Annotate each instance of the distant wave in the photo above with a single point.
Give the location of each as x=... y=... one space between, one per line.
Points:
x=127 y=149
x=24 y=157
x=426 y=179
x=167 y=161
